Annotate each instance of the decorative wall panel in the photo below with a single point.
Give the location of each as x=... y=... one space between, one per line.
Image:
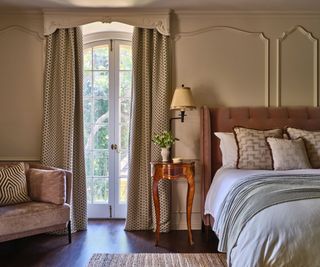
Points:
x=227 y=59
x=21 y=74
x=297 y=68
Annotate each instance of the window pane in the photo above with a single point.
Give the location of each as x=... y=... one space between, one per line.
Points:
x=87 y=110
x=123 y=163
x=88 y=159
x=125 y=57
x=101 y=57
x=100 y=190
x=87 y=137
x=89 y=190
x=123 y=190
x=87 y=83
x=87 y=59
x=125 y=83
x=100 y=163
x=124 y=136
x=125 y=110
x=101 y=137
x=101 y=111
x=100 y=83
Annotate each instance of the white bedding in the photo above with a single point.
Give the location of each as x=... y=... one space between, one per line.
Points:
x=286 y=234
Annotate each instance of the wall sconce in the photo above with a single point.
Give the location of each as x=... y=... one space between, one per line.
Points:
x=182 y=100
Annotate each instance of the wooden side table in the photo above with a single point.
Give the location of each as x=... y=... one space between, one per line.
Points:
x=168 y=170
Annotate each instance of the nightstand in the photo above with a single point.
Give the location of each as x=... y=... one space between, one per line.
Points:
x=168 y=170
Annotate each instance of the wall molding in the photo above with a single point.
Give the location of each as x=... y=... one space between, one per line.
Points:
x=179 y=221
x=259 y=13
x=260 y=35
x=315 y=42
x=21 y=158
x=54 y=19
x=20 y=28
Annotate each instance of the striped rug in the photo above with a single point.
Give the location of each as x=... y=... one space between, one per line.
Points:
x=158 y=260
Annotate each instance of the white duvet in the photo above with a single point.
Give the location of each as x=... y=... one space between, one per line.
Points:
x=286 y=234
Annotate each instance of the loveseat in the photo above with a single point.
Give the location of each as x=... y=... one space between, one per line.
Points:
x=42 y=213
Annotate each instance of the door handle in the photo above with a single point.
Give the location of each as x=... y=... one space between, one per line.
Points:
x=115 y=147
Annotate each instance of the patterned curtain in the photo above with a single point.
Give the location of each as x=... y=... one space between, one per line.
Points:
x=62 y=134
x=149 y=115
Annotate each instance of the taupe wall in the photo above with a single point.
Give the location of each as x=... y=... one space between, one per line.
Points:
x=228 y=60
x=21 y=83
x=240 y=60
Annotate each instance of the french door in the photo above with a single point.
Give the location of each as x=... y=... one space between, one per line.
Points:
x=106 y=99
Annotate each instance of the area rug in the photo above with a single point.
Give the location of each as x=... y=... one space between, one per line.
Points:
x=158 y=260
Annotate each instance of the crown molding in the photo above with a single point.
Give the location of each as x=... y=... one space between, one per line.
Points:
x=12 y=11
x=306 y=13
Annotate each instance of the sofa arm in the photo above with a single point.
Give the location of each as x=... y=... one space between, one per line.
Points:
x=68 y=178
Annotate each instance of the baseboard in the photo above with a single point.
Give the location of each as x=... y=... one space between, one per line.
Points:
x=179 y=221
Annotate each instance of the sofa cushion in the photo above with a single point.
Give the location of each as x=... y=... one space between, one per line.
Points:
x=32 y=215
x=13 y=185
x=47 y=185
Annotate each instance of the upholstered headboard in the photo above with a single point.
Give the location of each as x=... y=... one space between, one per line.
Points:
x=224 y=119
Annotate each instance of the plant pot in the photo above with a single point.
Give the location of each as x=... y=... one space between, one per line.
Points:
x=165 y=152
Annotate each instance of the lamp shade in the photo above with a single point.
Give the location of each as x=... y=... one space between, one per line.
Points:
x=182 y=99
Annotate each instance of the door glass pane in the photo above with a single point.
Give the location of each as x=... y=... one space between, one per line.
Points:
x=87 y=83
x=125 y=83
x=101 y=57
x=88 y=160
x=125 y=110
x=100 y=163
x=101 y=137
x=101 y=111
x=125 y=57
x=87 y=59
x=101 y=83
x=124 y=135
x=89 y=190
x=87 y=106
x=123 y=190
x=100 y=190
x=124 y=163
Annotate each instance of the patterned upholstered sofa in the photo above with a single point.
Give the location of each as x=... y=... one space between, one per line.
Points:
x=35 y=217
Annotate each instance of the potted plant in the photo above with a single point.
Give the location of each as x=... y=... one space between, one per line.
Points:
x=165 y=140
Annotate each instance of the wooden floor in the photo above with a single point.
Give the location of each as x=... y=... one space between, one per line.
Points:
x=102 y=236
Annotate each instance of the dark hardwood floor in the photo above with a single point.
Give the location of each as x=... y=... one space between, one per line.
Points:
x=102 y=236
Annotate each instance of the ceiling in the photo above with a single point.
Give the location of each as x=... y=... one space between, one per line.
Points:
x=227 y=5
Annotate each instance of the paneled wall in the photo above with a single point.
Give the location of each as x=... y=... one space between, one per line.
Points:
x=229 y=59
x=21 y=85
x=239 y=59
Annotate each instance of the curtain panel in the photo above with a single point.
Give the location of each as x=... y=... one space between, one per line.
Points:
x=149 y=115
x=62 y=134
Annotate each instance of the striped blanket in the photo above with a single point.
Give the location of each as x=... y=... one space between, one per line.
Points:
x=256 y=193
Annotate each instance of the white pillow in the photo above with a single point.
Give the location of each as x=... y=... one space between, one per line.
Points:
x=229 y=149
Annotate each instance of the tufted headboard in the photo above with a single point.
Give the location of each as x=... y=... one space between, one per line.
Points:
x=224 y=119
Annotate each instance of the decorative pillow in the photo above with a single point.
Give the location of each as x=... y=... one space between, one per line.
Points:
x=288 y=154
x=229 y=149
x=253 y=150
x=13 y=185
x=312 y=141
x=47 y=186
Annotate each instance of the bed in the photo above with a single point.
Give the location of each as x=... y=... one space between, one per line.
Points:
x=285 y=234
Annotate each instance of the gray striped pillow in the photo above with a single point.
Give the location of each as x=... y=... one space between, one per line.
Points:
x=13 y=185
